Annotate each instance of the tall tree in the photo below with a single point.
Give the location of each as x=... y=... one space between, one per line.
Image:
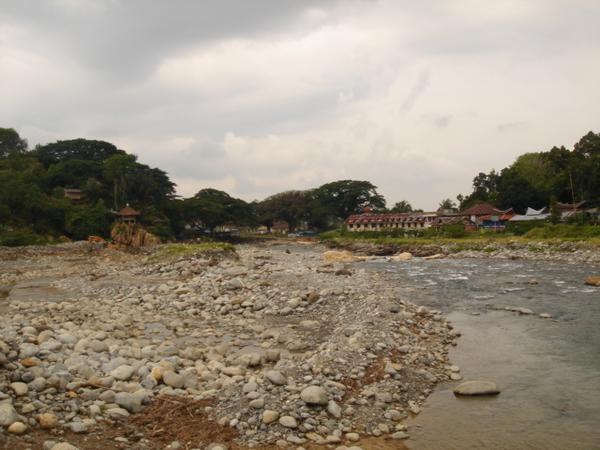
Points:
x=402 y=207
x=10 y=141
x=346 y=197
x=291 y=207
x=446 y=204
x=210 y=208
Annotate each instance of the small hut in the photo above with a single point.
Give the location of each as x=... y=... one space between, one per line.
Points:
x=74 y=195
x=128 y=214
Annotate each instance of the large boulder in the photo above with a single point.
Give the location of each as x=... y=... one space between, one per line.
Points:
x=340 y=256
x=477 y=387
x=404 y=256
x=592 y=281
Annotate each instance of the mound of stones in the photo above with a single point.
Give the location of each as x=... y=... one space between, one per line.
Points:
x=285 y=350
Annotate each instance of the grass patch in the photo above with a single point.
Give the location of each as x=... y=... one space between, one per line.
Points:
x=588 y=235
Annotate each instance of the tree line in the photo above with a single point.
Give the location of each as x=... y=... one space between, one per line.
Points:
x=33 y=204
x=539 y=179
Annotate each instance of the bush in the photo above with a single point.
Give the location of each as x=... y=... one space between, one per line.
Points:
x=520 y=228
x=568 y=231
x=455 y=230
x=20 y=237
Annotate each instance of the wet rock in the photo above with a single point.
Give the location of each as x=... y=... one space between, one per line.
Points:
x=593 y=281
x=477 y=387
x=404 y=256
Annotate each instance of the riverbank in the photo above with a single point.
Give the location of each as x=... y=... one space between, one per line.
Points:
x=264 y=346
x=503 y=247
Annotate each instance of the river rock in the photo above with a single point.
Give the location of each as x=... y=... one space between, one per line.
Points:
x=64 y=446
x=8 y=415
x=47 y=420
x=288 y=422
x=276 y=377
x=339 y=256
x=17 y=428
x=477 y=387
x=314 y=395
x=122 y=373
x=404 y=256
x=269 y=416
x=173 y=379
x=19 y=388
x=593 y=281
x=130 y=402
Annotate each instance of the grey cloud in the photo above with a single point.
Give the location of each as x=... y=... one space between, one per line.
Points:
x=127 y=38
x=415 y=92
x=509 y=126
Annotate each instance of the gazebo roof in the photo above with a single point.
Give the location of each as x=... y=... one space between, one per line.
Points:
x=128 y=211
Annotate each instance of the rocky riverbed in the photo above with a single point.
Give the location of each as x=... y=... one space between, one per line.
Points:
x=265 y=346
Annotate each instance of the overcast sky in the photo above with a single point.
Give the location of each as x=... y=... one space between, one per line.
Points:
x=256 y=97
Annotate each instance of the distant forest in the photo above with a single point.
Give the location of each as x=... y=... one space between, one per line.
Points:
x=34 y=209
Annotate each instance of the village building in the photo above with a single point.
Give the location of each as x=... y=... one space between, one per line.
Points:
x=128 y=214
x=74 y=195
x=486 y=216
x=369 y=221
x=532 y=214
x=568 y=210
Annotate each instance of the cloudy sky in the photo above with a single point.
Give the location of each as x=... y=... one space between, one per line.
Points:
x=256 y=97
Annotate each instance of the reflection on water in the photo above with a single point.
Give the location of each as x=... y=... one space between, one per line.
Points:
x=548 y=370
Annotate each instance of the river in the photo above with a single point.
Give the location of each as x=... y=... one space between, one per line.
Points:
x=548 y=369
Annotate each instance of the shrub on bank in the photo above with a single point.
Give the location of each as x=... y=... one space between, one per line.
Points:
x=564 y=231
x=19 y=237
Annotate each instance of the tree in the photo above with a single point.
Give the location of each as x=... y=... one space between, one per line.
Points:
x=10 y=142
x=402 y=207
x=83 y=149
x=292 y=207
x=446 y=204
x=346 y=197
x=88 y=220
x=210 y=208
x=116 y=169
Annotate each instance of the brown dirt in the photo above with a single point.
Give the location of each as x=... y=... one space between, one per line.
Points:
x=166 y=420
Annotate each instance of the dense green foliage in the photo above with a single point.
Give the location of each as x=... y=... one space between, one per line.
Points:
x=324 y=207
x=535 y=179
x=33 y=207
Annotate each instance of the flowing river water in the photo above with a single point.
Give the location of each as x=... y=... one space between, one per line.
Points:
x=548 y=369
